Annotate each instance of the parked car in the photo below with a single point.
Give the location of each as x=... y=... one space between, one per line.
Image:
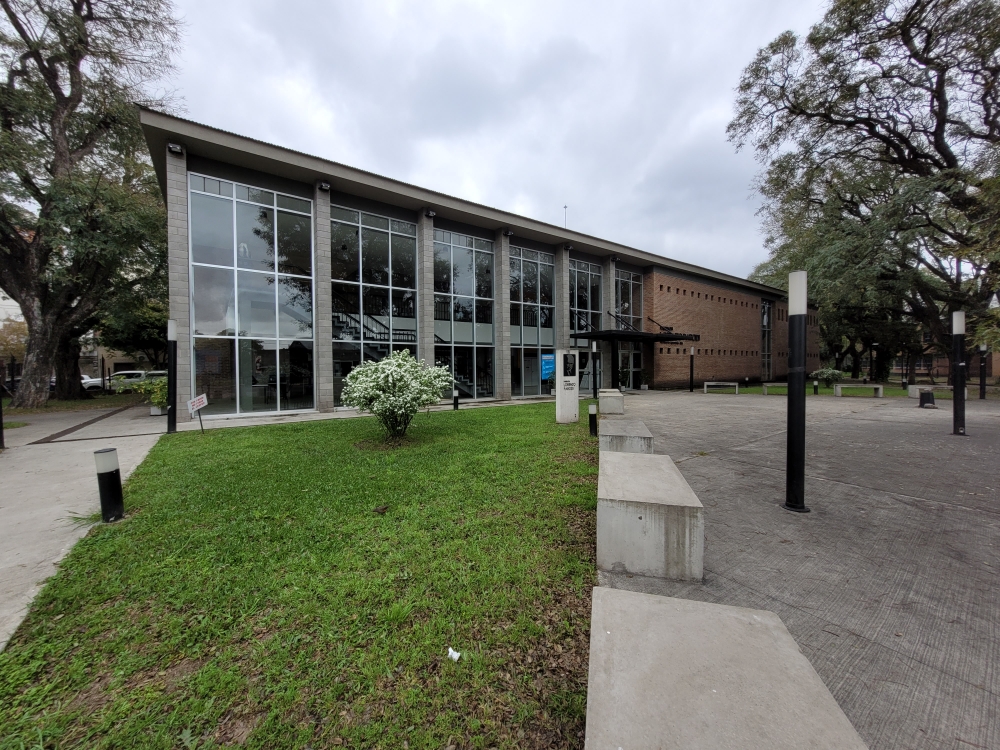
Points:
x=91 y=384
x=126 y=378
x=154 y=374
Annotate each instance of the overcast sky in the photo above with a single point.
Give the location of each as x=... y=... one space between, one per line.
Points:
x=617 y=110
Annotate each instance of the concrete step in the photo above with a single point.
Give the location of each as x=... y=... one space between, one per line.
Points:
x=687 y=675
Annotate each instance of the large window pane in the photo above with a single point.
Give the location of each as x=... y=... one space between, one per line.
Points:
x=215 y=374
x=516 y=388
x=442 y=358
x=345 y=251
x=442 y=268
x=484 y=275
x=214 y=308
x=294 y=307
x=374 y=257
x=211 y=230
x=375 y=305
x=515 y=280
x=294 y=244
x=529 y=272
x=529 y=325
x=463 y=277
x=404 y=262
x=254 y=237
x=546 y=274
x=258 y=375
x=573 y=276
x=404 y=315
x=295 y=386
x=595 y=292
x=546 y=316
x=346 y=312
x=532 y=372
x=484 y=372
x=375 y=352
x=484 y=321
x=256 y=304
x=345 y=358
x=582 y=291
x=442 y=318
x=515 y=324
x=465 y=371
x=463 y=317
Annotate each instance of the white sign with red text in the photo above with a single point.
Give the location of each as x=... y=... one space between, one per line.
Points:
x=197 y=403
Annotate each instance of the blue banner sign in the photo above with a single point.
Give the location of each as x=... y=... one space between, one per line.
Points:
x=548 y=366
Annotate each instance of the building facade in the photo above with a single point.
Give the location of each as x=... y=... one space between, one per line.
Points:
x=287 y=271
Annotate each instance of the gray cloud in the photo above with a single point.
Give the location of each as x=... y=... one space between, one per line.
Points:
x=618 y=110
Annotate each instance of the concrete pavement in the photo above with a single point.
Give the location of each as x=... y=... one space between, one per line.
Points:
x=44 y=485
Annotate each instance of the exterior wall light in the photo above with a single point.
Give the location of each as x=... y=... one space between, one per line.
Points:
x=175 y=148
x=324 y=186
x=568 y=246
x=430 y=214
x=508 y=232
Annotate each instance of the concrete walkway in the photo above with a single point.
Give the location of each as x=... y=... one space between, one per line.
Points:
x=889 y=586
x=43 y=485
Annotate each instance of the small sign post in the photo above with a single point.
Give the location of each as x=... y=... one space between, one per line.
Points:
x=195 y=406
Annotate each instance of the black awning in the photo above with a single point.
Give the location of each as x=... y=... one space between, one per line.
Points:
x=615 y=334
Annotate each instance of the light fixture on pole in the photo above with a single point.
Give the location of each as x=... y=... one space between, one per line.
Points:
x=171 y=376
x=593 y=365
x=958 y=364
x=691 y=372
x=795 y=469
x=982 y=372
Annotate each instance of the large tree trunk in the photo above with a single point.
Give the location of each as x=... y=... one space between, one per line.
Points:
x=68 y=384
x=39 y=359
x=855 y=363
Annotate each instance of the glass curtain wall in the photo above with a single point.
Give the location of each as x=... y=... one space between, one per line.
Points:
x=628 y=307
x=251 y=266
x=585 y=315
x=374 y=269
x=532 y=318
x=463 y=312
x=765 y=340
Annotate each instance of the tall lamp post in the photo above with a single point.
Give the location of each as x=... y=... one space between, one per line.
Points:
x=691 y=372
x=958 y=380
x=795 y=469
x=171 y=376
x=982 y=371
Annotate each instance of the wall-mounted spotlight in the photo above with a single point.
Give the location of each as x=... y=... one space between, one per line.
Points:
x=615 y=259
x=175 y=148
x=324 y=186
x=430 y=214
x=508 y=232
x=568 y=246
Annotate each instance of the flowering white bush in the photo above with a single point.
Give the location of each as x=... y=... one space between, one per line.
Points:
x=394 y=389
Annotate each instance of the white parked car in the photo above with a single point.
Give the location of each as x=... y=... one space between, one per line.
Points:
x=91 y=384
x=123 y=379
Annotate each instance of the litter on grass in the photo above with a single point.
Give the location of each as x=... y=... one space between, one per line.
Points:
x=453 y=654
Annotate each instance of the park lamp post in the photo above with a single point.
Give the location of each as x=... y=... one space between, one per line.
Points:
x=795 y=469
x=171 y=376
x=982 y=372
x=958 y=380
x=691 y=372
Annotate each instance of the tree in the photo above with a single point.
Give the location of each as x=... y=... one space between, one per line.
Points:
x=138 y=328
x=79 y=210
x=880 y=135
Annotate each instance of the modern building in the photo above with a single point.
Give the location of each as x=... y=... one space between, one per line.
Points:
x=287 y=270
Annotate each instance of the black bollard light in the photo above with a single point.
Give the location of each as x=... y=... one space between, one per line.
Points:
x=454 y=397
x=691 y=372
x=795 y=469
x=593 y=420
x=171 y=376
x=958 y=380
x=109 y=483
x=815 y=387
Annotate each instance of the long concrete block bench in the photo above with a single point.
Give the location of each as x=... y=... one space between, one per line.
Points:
x=913 y=391
x=611 y=401
x=838 y=388
x=649 y=521
x=765 y=386
x=625 y=436
x=720 y=384
x=674 y=673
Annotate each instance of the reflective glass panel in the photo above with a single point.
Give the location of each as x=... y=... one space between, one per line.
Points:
x=294 y=243
x=214 y=298
x=529 y=280
x=546 y=317
x=215 y=374
x=484 y=275
x=345 y=358
x=254 y=237
x=346 y=312
x=463 y=318
x=515 y=280
x=595 y=291
x=516 y=389
x=484 y=321
x=211 y=230
x=404 y=315
x=256 y=304
x=403 y=227
x=463 y=276
x=379 y=222
x=442 y=318
x=294 y=204
x=404 y=262
x=582 y=291
x=532 y=372
x=442 y=267
x=253 y=194
x=375 y=352
x=484 y=372
x=515 y=323
x=258 y=375
x=294 y=307
x=343 y=214
x=546 y=274
x=442 y=358
x=375 y=305
x=465 y=371
x=344 y=252
x=295 y=365
x=374 y=257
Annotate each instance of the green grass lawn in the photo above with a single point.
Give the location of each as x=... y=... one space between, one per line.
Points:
x=251 y=595
x=14 y=425
x=99 y=401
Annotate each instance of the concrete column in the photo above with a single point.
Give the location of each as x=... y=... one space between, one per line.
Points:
x=607 y=321
x=501 y=315
x=177 y=271
x=425 y=287
x=323 y=305
x=562 y=298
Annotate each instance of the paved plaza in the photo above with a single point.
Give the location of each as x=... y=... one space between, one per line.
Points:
x=890 y=585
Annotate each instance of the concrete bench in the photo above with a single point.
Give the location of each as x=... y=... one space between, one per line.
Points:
x=625 y=436
x=765 y=386
x=676 y=673
x=838 y=388
x=721 y=384
x=913 y=391
x=649 y=521
x=611 y=401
